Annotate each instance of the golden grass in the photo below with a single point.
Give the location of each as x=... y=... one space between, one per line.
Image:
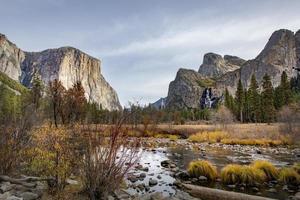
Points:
x=289 y=176
x=268 y=168
x=171 y=137
x=208 y=136
x=233 y=173
x=202 y=168
x=257 y=142
x=296 y=167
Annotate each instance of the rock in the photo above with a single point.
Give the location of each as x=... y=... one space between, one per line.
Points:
x=278 y=55
x=285 y=188
x=67 y=64
x=158 y=176
x=281 y=53
x=145 y=169
x=29 y=196
x=11 y=58
x=258 y=151
x=231 y=186
x=183 y=175
x=152 y=182
x=215 y=65
x=141 y=186
x=185 y=90
x=297 y=196
x=255 y=189
x=272 y=190
x=165 y=163
x=202 y=178
x=5 y=187
x=72 y=182
x=132 y=178
x=142 y=175
x=14 y=198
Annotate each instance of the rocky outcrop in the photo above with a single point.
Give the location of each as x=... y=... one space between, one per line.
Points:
x=27 y=188
x=10 y=58
x=281 y=53
x=187 y=88
x=214 y=65
x=66 y=64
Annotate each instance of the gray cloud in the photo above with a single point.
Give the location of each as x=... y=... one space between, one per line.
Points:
x=143 y=43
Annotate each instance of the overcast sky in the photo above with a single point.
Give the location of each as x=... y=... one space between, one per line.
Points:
x=142 y=43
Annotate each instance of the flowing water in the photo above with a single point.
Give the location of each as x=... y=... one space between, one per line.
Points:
x=219 y=155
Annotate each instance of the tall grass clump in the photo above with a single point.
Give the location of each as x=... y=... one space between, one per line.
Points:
x=296 y=167
x=211 y=136
x=202 y=168
x=234 y=174
x=289 y=176
x=268 y=168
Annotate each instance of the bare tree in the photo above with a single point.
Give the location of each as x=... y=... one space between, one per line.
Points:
x=223 y=116
x=106 y=160
x=56 y=94
x=289 y=116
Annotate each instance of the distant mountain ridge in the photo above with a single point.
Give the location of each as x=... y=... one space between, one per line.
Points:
x=281 y=53
x=67 y=64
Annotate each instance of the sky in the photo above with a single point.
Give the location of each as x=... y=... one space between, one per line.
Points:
x=143 y=43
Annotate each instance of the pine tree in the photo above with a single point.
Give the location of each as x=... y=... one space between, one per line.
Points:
x=36 y=91
x=283 y=93
x=246 y=111
x=254 y=100
x=239 y=100
x=228 y=103
x=295 y=83
x=267 y=100
x=286 y=88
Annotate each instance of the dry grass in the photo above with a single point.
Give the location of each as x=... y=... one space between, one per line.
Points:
x=213 y=136
x=289 y=176
x=228 y=138
x=258 y=142
x=233 y=174
x=296 y=167
x=268 y=168
x=202 y=168
x=171 y=137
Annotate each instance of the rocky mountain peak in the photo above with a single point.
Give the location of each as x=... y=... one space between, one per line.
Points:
x=67 y=64
x=10 y=58
x=281 y=53
x=214 y=65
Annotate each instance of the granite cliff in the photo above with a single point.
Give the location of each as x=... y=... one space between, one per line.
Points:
x=281 y=53
x=214 y=65
x=67 y=64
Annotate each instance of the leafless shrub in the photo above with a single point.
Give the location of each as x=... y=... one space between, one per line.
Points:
x=223 y=116
x=106 y=160
x=289 y=116
x=14 y=139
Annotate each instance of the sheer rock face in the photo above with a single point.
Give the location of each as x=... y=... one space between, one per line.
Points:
x=66 y=64
x=281 y=53
x=185 y=91
x=214 y=65
x=278 y=55
x=10 y=58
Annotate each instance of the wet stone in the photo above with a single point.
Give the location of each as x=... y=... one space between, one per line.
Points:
x=133 y=178
x=202 y=179
x=152 y=182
